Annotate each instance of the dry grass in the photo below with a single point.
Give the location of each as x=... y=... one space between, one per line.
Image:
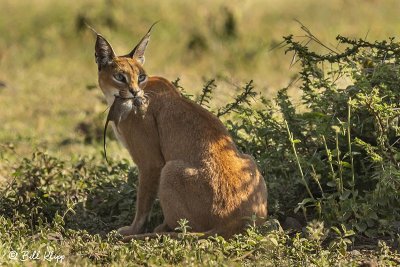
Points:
x=46 y=56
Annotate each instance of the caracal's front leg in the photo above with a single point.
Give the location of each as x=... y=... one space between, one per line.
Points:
x=149 y=179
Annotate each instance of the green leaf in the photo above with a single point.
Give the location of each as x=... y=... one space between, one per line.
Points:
x=305 y=201
x=302 y=204
x=345 y=195
x=349 y=233
x=274 y=241
x=336 y=230
x=373 y=215
x=361 y=226
x=346 y=164
x=331 y=184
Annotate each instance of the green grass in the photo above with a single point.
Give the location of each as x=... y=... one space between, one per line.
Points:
x=50 y=102
x=69 y=209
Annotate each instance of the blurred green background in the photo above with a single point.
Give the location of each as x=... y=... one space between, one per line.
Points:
x=49 y=98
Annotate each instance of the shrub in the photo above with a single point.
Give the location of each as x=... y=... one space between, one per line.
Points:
x=97 y=198
x=338 y=158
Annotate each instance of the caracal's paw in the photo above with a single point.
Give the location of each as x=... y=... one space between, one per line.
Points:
x=126 y=231
x=162 y=228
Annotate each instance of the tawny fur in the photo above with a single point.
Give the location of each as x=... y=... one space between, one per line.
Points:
x=184 y=154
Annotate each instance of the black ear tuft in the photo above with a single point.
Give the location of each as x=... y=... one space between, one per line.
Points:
x=103 y=51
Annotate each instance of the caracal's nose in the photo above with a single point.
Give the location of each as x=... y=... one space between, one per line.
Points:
x=134 y=92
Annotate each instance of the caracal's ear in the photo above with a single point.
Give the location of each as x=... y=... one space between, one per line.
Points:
x=138 y=52
x=103 y=51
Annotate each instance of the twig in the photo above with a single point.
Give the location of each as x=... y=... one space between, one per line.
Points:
x=298 y=160
x=349 y=144
x=242 y=98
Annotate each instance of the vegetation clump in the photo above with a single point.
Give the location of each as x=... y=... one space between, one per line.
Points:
x=332 y=161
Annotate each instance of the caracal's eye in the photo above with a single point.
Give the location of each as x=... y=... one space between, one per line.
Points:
x=119 y=77
x=141 y=78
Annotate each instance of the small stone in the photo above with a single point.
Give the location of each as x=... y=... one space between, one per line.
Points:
x=369 y=263
x=355 y=253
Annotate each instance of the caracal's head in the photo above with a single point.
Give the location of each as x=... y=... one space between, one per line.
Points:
x=122 y=76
